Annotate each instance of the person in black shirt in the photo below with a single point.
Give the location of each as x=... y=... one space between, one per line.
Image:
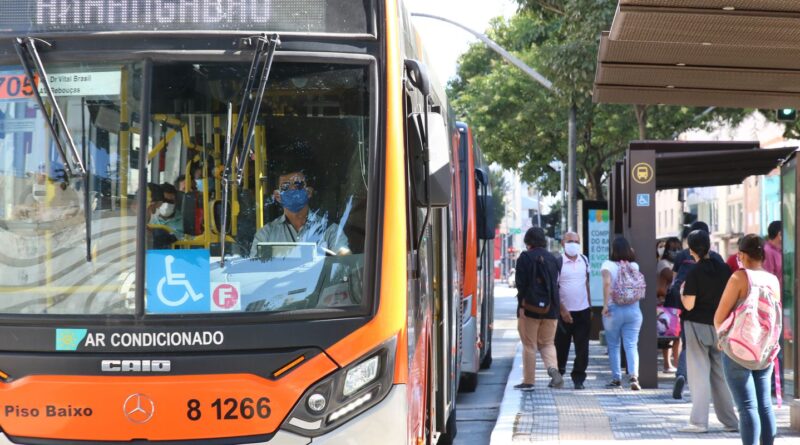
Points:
x=537 y=331
x=682 y=263
x=702 y=291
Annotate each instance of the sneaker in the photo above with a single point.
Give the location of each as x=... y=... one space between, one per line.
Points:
x=524 y=387
x=669 y=370
x=579 y=385
x=677 y=390
x=614 y=384
x=635 y=384
x=693 y=429
x=730 y=429
x=556 y=379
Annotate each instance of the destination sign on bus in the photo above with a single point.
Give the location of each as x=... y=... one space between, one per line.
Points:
x=15 y=86
x=322 y=16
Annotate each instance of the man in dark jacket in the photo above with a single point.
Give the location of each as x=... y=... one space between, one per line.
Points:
x=537 y=287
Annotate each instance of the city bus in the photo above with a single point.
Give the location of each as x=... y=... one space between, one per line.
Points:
x=474 y=210
x=224 y=222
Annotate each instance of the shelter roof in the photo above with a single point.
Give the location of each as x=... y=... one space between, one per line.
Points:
x=682 y=164
x=726 y=53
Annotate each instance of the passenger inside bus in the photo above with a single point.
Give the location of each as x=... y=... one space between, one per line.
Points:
x=167 y=213
x=298 y=223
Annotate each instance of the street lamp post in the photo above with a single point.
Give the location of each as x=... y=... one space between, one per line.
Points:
x=571 y=208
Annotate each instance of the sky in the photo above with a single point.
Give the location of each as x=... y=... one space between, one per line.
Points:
x=445 y=42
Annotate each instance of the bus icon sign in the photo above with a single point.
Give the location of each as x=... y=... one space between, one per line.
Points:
x=225 y=297
x=642 y=173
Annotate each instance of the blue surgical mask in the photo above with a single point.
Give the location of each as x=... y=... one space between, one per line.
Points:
x=199 y=184
x=294 y=200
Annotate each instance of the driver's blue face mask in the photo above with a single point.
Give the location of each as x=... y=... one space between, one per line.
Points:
x=294 y=200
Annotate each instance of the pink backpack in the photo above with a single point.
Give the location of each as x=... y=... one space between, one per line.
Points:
x=668 y=321
x=629 y=287
x=750 y=334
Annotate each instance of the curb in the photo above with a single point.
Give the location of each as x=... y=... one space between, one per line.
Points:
x=503 y=432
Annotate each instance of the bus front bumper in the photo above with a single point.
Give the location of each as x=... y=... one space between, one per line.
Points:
x=385 y=422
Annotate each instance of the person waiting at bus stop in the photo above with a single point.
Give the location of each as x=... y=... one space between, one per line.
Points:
x=298 y=223
x=537 y=273
x=682 y=264
x=576 y=316
x=701 y=295
x=621 y=322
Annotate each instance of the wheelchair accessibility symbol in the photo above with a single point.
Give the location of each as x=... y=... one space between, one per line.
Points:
x=177 y=281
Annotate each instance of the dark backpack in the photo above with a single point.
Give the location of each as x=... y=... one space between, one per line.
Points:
x=538 y=297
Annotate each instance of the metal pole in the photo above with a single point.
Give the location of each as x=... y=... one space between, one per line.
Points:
x=572 y=178
x=563 y=198
x=494 y=47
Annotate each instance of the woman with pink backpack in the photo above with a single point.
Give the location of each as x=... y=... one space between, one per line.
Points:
x=748 y=322
x=623 y=288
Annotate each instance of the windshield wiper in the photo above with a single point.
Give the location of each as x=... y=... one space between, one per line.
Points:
x=251 y=104
x=32 y=63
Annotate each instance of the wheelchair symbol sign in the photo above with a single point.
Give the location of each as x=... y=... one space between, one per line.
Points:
x=643 y=200
x=178 y=281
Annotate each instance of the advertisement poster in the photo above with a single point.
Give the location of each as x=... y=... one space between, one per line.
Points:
x=598 y=233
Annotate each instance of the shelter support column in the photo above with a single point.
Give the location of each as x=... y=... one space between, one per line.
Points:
x=640 y=194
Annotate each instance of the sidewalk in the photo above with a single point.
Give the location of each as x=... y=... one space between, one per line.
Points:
x=567 y=416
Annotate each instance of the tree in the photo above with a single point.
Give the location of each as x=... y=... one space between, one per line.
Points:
x=499 y=190
x=523 y=126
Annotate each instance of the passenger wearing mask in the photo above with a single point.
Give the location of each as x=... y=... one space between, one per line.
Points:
x=702 y=292
x=750 y=388
x=733 y=259
x=683 y=263
x=298 y=223
x=576 y=316
x=666 y=257
x=621 y=322
x=166 y=213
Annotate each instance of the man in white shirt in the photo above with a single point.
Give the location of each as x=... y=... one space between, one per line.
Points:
x=575 y=317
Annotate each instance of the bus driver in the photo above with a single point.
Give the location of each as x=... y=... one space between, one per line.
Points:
x=298 y=223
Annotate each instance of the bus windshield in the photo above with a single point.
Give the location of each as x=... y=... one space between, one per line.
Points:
x=43 y=215
x=296 y=224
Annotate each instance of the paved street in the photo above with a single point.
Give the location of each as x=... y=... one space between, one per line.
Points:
x=477 y=412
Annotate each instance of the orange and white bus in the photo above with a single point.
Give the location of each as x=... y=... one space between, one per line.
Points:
x=475 y=221
x=224 y=222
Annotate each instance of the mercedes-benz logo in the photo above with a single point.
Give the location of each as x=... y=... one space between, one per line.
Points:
x=139 y=408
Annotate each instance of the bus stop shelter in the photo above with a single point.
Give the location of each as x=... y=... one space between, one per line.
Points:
x=650 y=166
x=712 y=53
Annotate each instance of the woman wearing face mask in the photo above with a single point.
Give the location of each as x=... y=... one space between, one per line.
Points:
x=750 y=388
x=701 y=296
x=666 y=257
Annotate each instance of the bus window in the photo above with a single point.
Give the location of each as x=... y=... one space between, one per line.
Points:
x=44 y=266
x=295 y=225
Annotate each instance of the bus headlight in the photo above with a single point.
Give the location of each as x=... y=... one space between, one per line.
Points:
x=361 y=374
x=344 y=394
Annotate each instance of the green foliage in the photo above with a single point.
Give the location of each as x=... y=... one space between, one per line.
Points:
x=523 y=126
x=499 y=190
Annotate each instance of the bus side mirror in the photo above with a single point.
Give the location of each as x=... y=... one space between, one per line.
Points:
x=485 y=218
x=436 y=179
